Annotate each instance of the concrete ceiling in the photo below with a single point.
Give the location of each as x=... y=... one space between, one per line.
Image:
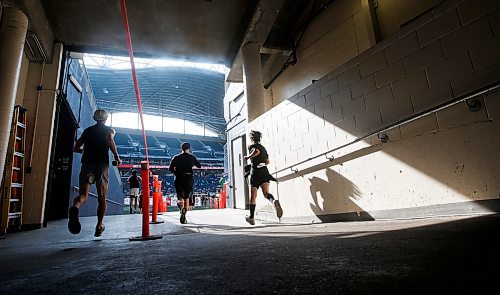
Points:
x=198 y=30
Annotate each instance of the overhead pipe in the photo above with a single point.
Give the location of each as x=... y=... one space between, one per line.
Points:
x=39 y=55
x=13 y=30
x=39 y=91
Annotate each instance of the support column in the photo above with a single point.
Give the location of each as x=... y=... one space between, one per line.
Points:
x=12 y=35
x=252 y=77
x=39 y=134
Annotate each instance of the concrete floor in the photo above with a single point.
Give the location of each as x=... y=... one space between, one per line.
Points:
x=218 y=253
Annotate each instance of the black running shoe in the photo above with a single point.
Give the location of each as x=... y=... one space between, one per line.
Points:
x=74 y=225
x=250 y=220
x=99 y=230
x=183 y=215
x=279 y=211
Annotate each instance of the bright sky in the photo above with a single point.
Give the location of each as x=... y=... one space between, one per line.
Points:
x=123 y=62
x=154 y=123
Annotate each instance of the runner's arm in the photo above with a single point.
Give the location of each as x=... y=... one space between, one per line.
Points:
x=196 y=162
x=111 y=143
x=78 y=145
x=253 y=153
x=171 y=167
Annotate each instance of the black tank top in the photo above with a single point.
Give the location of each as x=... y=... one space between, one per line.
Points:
x=95 y=146
x=262 y=157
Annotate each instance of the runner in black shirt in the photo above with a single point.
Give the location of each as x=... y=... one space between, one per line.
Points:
x=96 y=141
x=134 y=182
x=259 y=176
x=182 y=167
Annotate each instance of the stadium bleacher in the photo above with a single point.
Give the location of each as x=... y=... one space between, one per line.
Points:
x=196 y=145
x=209 y=153
x=137 y=138
x=216 y=146
x=203 y=154
x=158 y=153
x=172 y=143
x=121 y=139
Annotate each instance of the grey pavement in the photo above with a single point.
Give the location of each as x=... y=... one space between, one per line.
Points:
x=217 y=252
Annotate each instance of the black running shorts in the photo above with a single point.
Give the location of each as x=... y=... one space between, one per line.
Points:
x=259 y=176
x=184 y=186
x=93 y=173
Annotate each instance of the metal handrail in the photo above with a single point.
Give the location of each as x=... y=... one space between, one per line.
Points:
x=95 y=196
x=480 y=91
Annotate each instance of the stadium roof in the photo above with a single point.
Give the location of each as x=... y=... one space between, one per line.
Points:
x=193 y=94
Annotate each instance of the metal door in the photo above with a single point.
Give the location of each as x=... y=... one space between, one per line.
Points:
x=240 y=187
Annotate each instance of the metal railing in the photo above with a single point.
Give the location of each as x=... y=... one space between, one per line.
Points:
x=465 y=97
x=76 y=188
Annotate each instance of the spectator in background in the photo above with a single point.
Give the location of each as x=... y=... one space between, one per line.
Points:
x=134 y=182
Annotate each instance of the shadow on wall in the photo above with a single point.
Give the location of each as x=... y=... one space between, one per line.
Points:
x=465 y=165
x=336 y=194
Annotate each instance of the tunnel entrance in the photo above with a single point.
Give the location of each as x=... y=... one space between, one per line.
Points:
x=59 y=185
x=181 y=102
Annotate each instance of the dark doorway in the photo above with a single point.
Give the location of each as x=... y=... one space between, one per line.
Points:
x=59 y=186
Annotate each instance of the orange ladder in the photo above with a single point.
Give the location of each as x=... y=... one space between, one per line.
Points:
x=13 y=180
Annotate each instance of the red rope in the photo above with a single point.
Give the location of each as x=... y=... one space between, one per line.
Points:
x=134 y=73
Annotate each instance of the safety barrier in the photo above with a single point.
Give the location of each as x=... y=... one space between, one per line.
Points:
x=76 y=188
x=156 y=200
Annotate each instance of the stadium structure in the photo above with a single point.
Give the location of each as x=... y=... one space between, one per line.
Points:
x=190 y=95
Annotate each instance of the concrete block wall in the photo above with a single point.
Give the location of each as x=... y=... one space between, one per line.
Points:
x=338 y=34
x=429 y=165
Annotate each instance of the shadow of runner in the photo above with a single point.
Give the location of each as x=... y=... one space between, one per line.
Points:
x=335 y=195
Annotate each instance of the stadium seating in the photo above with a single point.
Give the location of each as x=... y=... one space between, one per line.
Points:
x=216 y=146
x=196 y=145
x=210 y=153
x=121 y=139
x=172 y=143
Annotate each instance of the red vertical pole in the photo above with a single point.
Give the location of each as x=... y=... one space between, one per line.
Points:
x=145 y=198
x=144 y=164
x=134 y=72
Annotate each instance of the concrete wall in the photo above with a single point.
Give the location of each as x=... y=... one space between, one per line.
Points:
x=392 y=15
x=435 y=165
x=337 y=35
x=235 y=113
